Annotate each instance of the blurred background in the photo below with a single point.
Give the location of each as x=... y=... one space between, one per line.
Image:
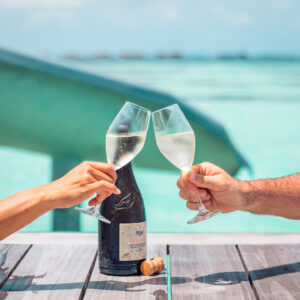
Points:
x=237 y=62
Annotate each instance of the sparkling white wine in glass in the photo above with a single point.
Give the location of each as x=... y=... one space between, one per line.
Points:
x=122 y=148
x=178 y=148
x=176 y=140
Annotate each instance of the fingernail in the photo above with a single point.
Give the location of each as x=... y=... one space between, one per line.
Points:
x=118 y=191
x=192 y=176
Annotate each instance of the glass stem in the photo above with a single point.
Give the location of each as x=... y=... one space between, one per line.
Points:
x=202 y=208
x=96 y=208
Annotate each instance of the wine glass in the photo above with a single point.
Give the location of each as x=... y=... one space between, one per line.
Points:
x=125 y=139
x=175 y=139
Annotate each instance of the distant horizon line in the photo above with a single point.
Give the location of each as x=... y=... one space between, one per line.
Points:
x=174 y=56
x=163 y=55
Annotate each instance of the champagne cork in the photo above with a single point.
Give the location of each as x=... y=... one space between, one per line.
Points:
x=152 y=266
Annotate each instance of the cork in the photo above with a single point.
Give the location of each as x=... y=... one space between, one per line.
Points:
x=152 y=266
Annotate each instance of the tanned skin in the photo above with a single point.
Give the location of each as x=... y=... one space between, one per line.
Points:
x=218 y=190
x=79 y=184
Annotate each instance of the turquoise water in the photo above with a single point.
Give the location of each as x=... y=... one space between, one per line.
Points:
x=257 y=102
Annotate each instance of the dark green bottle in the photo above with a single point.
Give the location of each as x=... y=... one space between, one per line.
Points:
x=123 y=243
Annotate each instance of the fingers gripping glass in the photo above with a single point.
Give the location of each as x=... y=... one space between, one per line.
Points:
x=175 y=139
x=125 y=139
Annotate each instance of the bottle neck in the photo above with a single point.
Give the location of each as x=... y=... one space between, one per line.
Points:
x=126 y=179
x=125 y=171
x=130 y=192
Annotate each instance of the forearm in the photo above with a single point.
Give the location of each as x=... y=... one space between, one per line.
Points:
x=279 y=197
x=21 y=209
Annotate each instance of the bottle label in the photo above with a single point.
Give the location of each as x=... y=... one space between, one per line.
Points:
x=133 y=241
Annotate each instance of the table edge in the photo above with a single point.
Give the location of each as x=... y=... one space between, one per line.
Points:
x=159 y=238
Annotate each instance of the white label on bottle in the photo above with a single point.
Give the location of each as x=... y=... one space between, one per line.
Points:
x=133 y=241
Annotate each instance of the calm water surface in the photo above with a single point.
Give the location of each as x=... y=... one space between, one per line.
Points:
x=257 y=102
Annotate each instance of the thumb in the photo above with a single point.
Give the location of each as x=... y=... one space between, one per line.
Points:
x=209 y=181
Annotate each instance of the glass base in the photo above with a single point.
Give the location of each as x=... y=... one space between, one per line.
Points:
x=204 y=215
x=93 y=212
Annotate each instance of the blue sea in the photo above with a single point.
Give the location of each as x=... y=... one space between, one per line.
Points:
x=258 y=103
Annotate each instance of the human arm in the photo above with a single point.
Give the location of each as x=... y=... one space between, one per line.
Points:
x=218 y=190
x=79 y=184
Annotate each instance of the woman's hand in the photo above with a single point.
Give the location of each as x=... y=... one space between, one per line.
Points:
x=81 y=183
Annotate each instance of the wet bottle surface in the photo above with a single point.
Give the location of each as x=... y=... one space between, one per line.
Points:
x=122 y=244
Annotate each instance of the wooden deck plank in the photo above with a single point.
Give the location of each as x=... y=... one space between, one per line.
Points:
x=129 y=287
x=51 y=271
x=10 y=256
x=208 y=272
x=274 y=270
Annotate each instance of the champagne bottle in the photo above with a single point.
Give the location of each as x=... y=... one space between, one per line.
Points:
x=123 y=243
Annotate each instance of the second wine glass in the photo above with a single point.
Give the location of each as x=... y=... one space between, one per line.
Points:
x=175 y=139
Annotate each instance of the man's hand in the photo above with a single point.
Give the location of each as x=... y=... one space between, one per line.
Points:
x=216 y=188
x=81 y=183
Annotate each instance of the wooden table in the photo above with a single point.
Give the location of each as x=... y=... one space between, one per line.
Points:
x=69 y=270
